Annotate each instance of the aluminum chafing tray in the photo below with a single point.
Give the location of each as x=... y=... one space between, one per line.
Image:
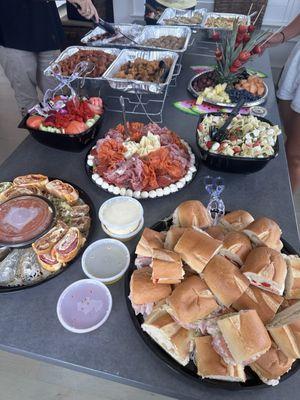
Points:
x=135 y=86
x=131 y=30
x=173 y=12
x=155 y=32
x=68 y=52
x=245 y=18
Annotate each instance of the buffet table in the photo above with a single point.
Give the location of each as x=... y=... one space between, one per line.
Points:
x=29 y=325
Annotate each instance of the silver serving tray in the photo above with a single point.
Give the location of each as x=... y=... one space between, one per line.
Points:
x=135 y=86
x=173 y=12
x=250 y=104
x=246 y=19
x=131 y=30
x=74 y=49
x=155 y=32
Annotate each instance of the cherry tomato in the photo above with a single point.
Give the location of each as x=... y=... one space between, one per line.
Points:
x=242 y=29
x=244 y=56
x=251 y=28
x=34 y=121
x=246 y=37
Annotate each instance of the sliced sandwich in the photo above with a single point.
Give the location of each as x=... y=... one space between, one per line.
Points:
x=192 y=213
x=285 y=330
x=236 y=247
x=272 y=365
x=236 y=220
x=68 y=247
x=63 y=190
x=216 y=232
x=266 y=269
x=225 y=280
x=174 y=339
x=243 y=339
x=292 y=283
x=212 y=366
x=172 y=237
x=49 y=262
x=166 y=267
x=196 y=248
x=15 y=191
x=144 y=294
x=149 y=241
x=45 y=244
x=190 y=302
x=265 y=303
x=29 y=180
x=264 y=232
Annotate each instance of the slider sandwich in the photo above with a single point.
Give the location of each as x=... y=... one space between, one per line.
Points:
x=264 y=232
x=236 y=247
x=149 y=241
x=225 y=280
x=285 y=330
x=172 y=236
x=241 y=338
x=236 y=220
x=190 y=302
x=212 y=366
x=272 y=365
x=192 y=213
x=266 y=269
x=216 y=232
x=144 y=293
x=196 y=248
x=175 y=340
x=166 y=267
x=265 y=303
x=292 y=283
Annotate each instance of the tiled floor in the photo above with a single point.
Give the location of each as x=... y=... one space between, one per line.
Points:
x=35 y=377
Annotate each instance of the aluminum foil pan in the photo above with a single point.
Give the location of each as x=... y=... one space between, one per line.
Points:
x=172 y=13
x=245 y=18
x=130 y=30
x=155 y=32
x=134 y=86
x=250 y=104
x=49 y=71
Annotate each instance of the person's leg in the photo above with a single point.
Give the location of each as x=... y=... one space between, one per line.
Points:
x=286 y=114
x=292 y=147
x=44 y=59
x=20 y=68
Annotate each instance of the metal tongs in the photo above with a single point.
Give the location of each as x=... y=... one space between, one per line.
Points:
x=111 y=29
x=216 y=206
x=122 y=102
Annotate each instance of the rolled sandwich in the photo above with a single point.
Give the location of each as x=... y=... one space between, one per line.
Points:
x=212 y=366
x=272 y=365
x=292 y=283
x=36 y=180
x=191 y=213
x=225 y=280
x=243 y=339
x=285 y=330
x=265 y=303
x=264 y=232
x=190 y=302
x=236 y=220
x=266 y=269
x=166 y=267
x=196 y=248
x=174 y=339
x=144 y=293
x=63 y=190
x=149 y=241
x=236 y=247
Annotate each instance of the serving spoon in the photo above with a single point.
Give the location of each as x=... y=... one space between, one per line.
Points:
x=122 y=102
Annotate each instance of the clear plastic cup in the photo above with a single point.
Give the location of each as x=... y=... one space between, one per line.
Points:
x=105 y=260
x=84 y=306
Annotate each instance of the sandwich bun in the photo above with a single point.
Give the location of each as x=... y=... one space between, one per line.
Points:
x=216 y=232
x=225 y=280
x=272 y=365
x=265 y=303
x=211 y=365
x=172 y=237
x=266 y=269
x=143 y=290
x=236 y=247
x=149 y=241
x=191 y=213
x=236 y=220
x=265 y=232
x=245 y=335
x=166 y=267
x=292 y=283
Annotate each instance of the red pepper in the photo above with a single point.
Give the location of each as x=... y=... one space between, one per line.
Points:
x=209 y=144
x=265 y=284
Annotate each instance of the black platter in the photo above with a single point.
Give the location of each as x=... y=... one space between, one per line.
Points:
x=190 y=370
x=82 y=195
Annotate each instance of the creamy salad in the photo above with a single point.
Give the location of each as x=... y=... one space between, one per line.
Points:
x=247 y=136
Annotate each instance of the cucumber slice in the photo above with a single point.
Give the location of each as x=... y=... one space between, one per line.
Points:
x=252 y=71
